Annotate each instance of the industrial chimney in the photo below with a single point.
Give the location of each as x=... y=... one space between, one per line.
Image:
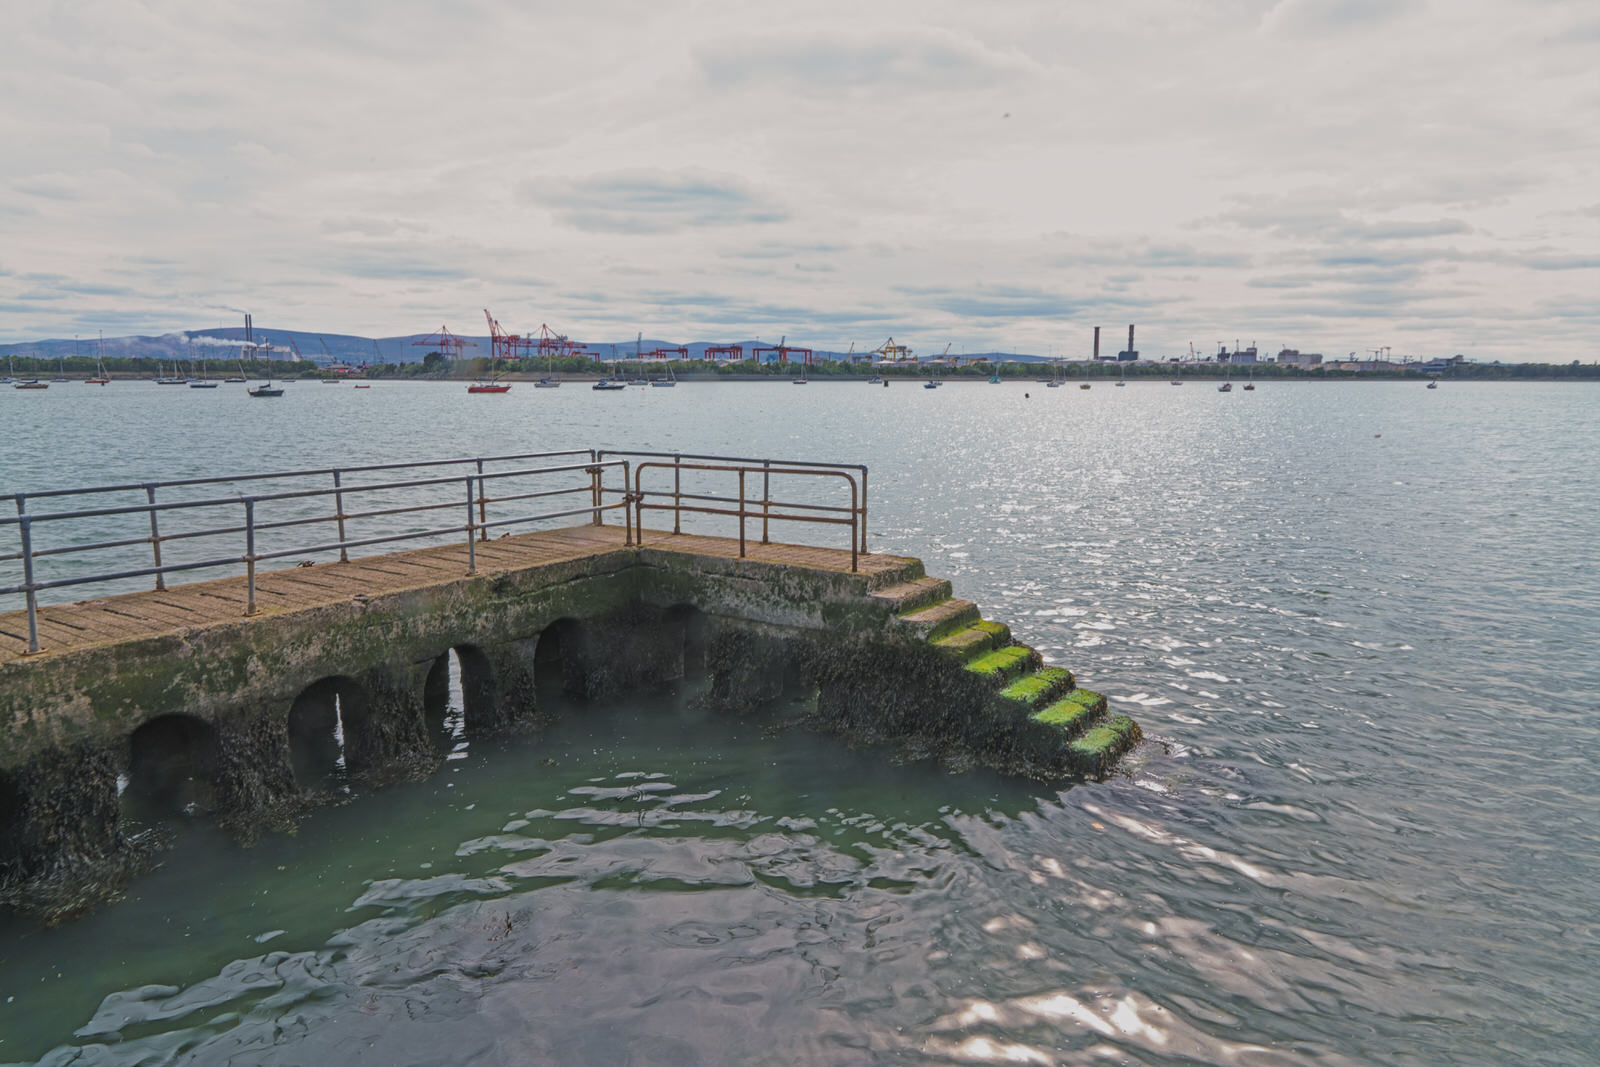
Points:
x=1097 y=342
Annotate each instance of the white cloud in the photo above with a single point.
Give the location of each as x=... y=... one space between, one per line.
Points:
x=988 y=174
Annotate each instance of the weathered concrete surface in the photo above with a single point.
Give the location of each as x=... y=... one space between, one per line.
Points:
x=182 y=683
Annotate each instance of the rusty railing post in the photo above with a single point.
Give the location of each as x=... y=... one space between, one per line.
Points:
x=155 y=536
x=855 y=556
x=250 y=554
x=338 y=514
x=741 y=513
x=863 y=507
x=677 y=494
x=766 y=499
x=25 y=530
x=628 y=503
x=472 y=554
x=483 y=514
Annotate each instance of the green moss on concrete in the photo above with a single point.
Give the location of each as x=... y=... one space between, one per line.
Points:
x=1033 y=689
x=1095 y=702
x=975 y=639
x=1008 y=662
x=1068 y=717
x=1097 y=750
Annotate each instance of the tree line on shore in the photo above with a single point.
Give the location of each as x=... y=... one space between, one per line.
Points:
x=434 y=365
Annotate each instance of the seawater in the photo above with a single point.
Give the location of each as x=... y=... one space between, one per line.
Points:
x=1357 y=622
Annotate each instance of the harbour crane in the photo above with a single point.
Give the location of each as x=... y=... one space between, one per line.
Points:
x=503 y=345
x=444 y=342
x=889 y=352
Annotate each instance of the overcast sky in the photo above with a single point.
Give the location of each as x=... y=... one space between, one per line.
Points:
x=1328 y=175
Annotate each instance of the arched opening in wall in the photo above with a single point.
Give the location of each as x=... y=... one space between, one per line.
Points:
x=324 y=723
x=172 y=768
x=557 y=659
x=13 y=804
x=458 y=698
x=688 y=628
x=800 y=691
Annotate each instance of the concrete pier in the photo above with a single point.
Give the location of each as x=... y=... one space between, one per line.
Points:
x=181 y=699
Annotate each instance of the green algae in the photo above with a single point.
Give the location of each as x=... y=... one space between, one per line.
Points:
x=1030 y=689
x=1008 y=662
x=1097 y=750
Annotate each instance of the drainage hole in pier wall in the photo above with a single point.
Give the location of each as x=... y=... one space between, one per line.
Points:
x=445 y=706
x=556 y=657
x=11 y=828
x=172 y=768
x=322 y=724
x=691 y=630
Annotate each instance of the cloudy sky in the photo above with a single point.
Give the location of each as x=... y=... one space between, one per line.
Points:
x=1328 y=175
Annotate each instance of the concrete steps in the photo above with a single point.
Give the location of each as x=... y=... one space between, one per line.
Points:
x=1075 y=732
x=942 y=618
x=1037 y=713
x=910 y=596
x=1007 y=663
x=973 y=640
x=908 y=572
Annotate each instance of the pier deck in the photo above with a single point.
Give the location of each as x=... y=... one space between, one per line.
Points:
x=135 y=616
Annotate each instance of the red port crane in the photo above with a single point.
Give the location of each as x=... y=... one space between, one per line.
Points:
x=443 y=342
x=784 y=350
x=505 y=345
x=551 y=343
x=731 y=353
x=681 y=352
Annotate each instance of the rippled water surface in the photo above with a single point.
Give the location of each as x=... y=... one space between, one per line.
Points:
x=1357 y=621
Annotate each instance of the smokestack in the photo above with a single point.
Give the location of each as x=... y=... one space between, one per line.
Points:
x=1097 y=342
x=1130 y=337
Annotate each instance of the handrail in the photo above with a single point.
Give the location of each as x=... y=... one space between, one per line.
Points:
x=217 y=480
x=477 y=499
x=476 y=488
x=766 y=464
x=856 y=511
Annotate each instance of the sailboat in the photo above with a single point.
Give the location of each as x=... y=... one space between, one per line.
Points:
x=1250 y=385
x=548 y=381
x=802 y=379
x=100 y=375
x=266 y=388
x=1122 y=381
x=1226 y=386
x=26 y=383
x=664 y=383
x=162 y=378
x=1055 y=381
x=61 y=370
x=489 y=385
x=202 y=382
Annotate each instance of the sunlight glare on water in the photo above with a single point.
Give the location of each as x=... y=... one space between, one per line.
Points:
x=1355 y=620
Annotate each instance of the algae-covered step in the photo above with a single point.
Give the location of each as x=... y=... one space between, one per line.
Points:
x=974 y=640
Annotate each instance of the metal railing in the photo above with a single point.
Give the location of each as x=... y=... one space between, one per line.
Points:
x=765 y=467
x=474 y=484
x=744 y=508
